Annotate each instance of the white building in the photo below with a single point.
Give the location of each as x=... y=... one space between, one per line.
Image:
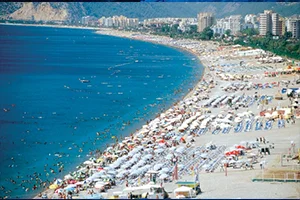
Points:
x=265 y=22
x=250 y=18
x=234 y=23
x=293 y=25
x=275 y=24
x=118 y=21
x=205 y=20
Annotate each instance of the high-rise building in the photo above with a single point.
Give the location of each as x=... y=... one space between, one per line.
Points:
x=234 y=23
x=294 y=27
x=250 y=18
x=271 y=22
x=205 y=20
x=275 y=24
x=265 y=22
x=281 y=26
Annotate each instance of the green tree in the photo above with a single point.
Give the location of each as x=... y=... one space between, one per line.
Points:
x=193 y=29
x=217 y=35
x=250 y=31
x=228 y=32
x=206 y=34
x=287 y=35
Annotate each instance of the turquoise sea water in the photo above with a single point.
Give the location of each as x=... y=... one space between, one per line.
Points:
x=47 y=114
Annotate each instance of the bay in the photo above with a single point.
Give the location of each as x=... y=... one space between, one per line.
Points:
x=49 y=117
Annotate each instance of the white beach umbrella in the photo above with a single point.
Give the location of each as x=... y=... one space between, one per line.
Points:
x=268 y=115
x=158 y=166
x=238 y=119
x=165 y=170
x=180 y=149
x=163 y=176
x=99 y=185
x=158 y=151
x=88 y=162
x=68 y=177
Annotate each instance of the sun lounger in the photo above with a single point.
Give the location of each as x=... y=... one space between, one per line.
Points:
x=281 y=123
x=258 y=126
x=248 y=125
x=216 y=131
x=268 y=125
x=239 y=127
x=202 y=131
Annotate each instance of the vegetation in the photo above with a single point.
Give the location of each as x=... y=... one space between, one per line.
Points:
x=283 y=46
x=250 y=32
x=174 y=32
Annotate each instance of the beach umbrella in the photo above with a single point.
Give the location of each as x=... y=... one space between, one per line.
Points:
x=204 y=155
x=238 y=119
x=59 y=190
x=99 y=185
x=250 y=155
x=107 y=168
x=70 y=188
x=232 y=161
x=158 y=166
x=53 y=186
x=180 y=149
x=88 y=162
x=163 y=176
x=79 y=183
x=109 y=148
x=159 y=151
x=68 y=177
x=147 y=157
x=58 y=181
x=268 y=115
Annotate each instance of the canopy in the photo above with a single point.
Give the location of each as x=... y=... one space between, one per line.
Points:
x=184 y=189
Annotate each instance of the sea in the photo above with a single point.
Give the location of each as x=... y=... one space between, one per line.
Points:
x=66 y=93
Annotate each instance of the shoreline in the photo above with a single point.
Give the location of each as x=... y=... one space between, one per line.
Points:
x=187 y=95
x=212 y=60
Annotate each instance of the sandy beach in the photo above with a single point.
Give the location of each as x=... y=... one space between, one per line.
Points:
x=222 y=110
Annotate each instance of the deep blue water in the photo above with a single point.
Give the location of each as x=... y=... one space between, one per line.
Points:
x=45 y=109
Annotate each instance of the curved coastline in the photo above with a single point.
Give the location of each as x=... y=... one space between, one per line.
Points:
x=239 y=180
x=186 y=95
x=172 y=103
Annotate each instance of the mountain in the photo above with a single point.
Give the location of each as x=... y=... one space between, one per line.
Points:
x=75 y=10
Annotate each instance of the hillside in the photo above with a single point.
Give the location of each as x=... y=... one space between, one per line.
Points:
x=75 y=10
